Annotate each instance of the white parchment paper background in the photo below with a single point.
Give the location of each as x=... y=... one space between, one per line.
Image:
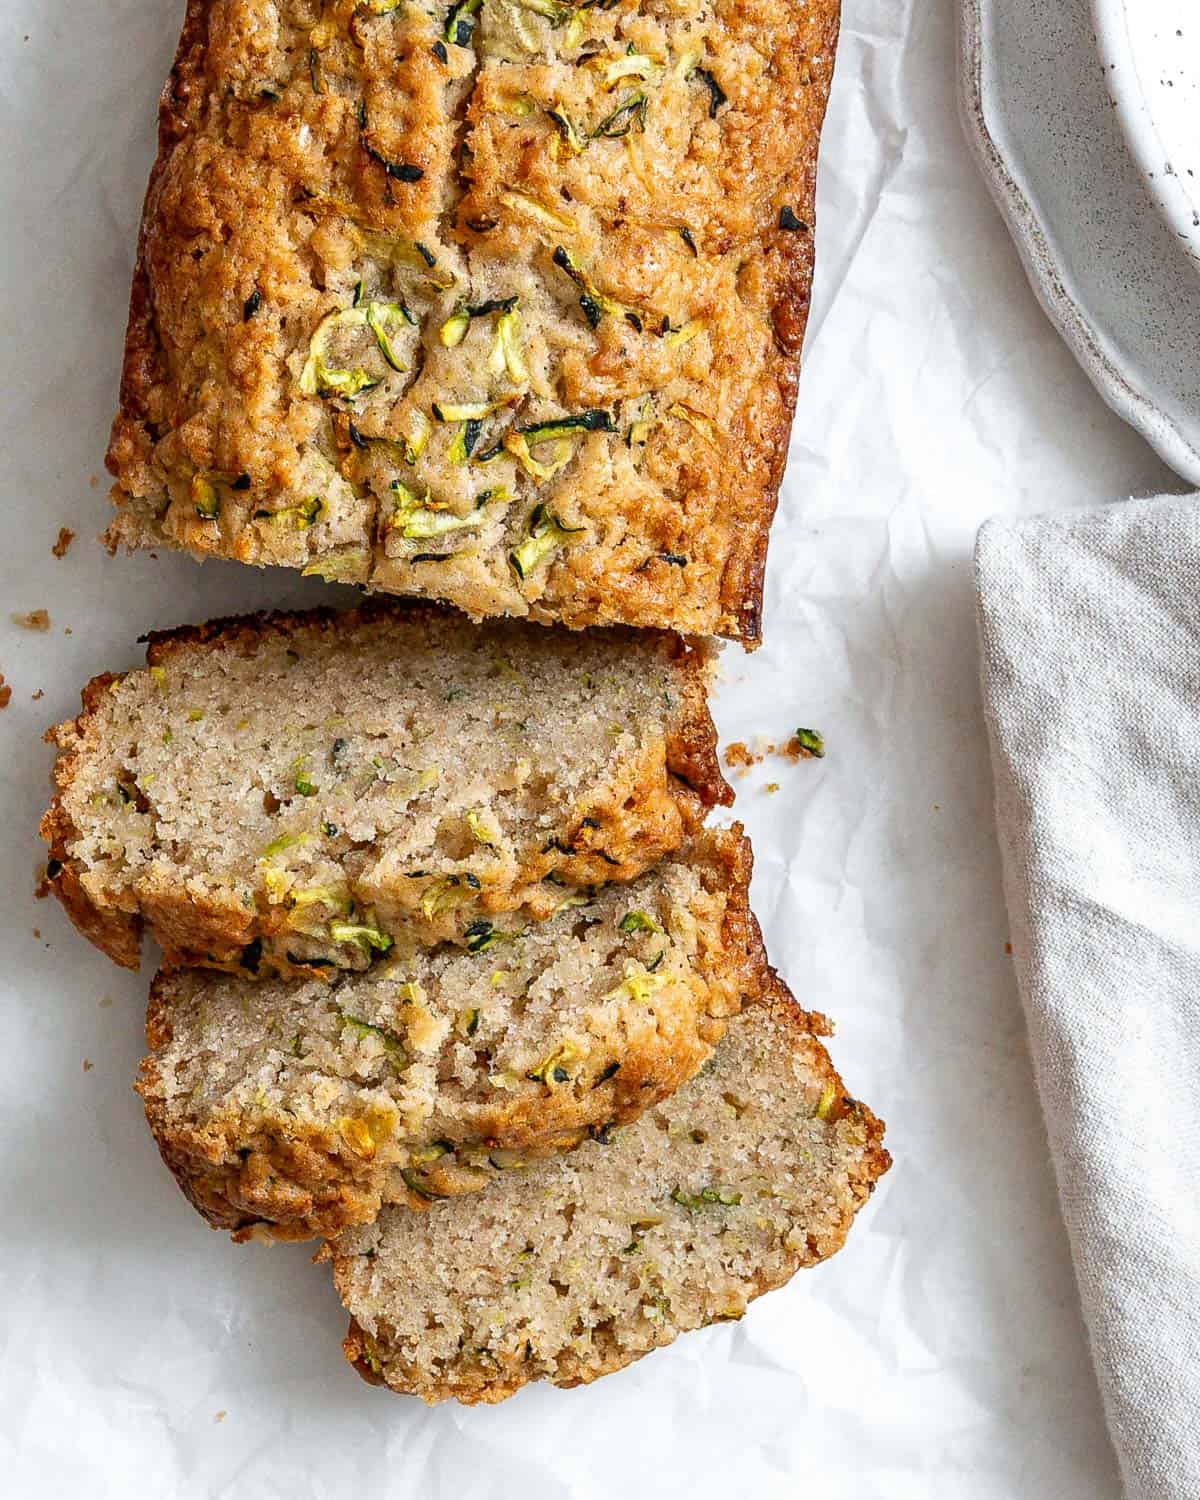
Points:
x=941 y=1355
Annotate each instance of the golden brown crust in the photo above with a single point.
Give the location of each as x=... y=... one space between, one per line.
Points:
x=270 y=183
x=616 y=830
x=381 y=1362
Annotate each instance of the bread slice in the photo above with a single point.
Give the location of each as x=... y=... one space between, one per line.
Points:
x=299 y=792
x=295 y=1107
x=578 y=1266
x=498 y=305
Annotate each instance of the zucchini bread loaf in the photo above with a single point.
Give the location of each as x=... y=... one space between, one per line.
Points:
x=499 y=303
x=578 y=1266
x=301 y=793
x=288 y=1108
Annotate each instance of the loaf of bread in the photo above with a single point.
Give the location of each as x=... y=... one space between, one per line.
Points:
x=302 y=792
x=500 y=304
x=577 y=1266
x=288 y=1108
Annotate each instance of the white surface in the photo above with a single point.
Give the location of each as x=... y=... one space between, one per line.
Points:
x=1107 y=267
x=1150 y=51
x=1090 y=635
x=941 y=1354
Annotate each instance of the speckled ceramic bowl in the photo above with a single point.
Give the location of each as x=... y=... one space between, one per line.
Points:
x=1150 y=53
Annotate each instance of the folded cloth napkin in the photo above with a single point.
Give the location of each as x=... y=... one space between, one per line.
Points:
x=1090 y=639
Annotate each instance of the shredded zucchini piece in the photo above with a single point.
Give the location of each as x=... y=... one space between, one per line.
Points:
x=469 y=411
x=630 y=111
x=205 y=498
x=638 y=921
x=826 y=1102
x=567 y=130
x=482 y=935
x=298 y=517
x=480 y=830
x=351 y=566
x=419 y=429
x=379 y=316
x=365 y=934
x=726 y=1197
x=454 y=329
x=553 y=1069
x=523 y=203
x=392 y=1043
x=696 y=419
x=680 y=336
x=593 y=303
x=642 y=425
x=507 y=354
x=631 y=65
x=555 y=14
x=545 y=535
x=810 y=743
x=416 y=521
x=460 y=22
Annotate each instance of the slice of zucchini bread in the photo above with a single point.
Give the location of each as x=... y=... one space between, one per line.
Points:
x=499 y=303
x=299 y=792
x=294 y=1107
x=578 y=1266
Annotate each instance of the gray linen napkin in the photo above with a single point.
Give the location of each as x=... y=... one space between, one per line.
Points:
x=1090 y=639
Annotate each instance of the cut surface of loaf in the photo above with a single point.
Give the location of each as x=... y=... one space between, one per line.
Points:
x=301 y=792
x=575 y=1267
x=500 y=304
x=288 y=1108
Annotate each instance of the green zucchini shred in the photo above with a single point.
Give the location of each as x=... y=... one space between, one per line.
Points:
x=461 y=22
x=416 y=1183
x=299 y=516
x=621 y=121
x=553 y=1069
x=418 y=522
x=368 y=937
x=725 y=1197
x=811 y=741
x=393 y=1044
x=638 y=921
x=545 y=534
x=482 y=935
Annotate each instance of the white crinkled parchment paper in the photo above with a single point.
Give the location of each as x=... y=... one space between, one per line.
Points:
x=941 y=1355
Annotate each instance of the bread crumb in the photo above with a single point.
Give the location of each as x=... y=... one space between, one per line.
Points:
x=105 y=1001
x=36 y=619
x=65 y=537
x=41 y=693
x=88 y=1065
x=1008 y=948
x=740 y=754
x=93 y=481
x=220 y=1417
x=37 y=932
x=771 y=787
x=5 y=692
x=68 y=631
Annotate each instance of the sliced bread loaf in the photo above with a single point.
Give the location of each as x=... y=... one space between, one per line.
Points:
x=300 y=791
x=578 y=1266
x=295 y=1107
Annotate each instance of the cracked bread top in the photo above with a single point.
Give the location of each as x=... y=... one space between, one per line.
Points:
x=498 y=303
x=304 y=792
